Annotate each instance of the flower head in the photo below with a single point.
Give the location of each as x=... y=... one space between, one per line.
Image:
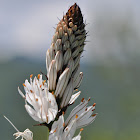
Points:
x=83 y=114
x=61 y=132
x=39 y=102
x=27 y=134
x=79 y=117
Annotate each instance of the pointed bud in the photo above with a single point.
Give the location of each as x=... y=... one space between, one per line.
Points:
x=59 y=60
x=67 y=94
x=67 y=56
x=78 y=80
x=58 y=45
x=62 y=83
x=52 y=75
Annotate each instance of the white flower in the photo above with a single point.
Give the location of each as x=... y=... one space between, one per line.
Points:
x=39 y=102
x=83 y=113
x=61 y=132
x=79 y=117
x=27 y=134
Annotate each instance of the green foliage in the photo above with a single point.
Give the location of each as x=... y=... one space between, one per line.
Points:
x=114 y=89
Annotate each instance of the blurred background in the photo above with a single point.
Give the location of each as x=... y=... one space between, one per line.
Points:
x=110 y=63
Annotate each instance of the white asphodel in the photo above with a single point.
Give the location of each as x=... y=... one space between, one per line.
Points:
x=81 y=116
x=39 y=102
x=26 y=135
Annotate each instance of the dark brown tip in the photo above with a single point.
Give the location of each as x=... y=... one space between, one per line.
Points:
x=74 y=15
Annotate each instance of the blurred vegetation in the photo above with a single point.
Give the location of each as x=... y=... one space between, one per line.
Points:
x=115 y=89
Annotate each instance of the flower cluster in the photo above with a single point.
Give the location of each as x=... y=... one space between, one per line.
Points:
x=46 y=101
x=79 y=117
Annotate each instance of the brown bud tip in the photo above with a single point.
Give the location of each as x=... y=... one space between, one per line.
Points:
x=74 y=15
x=94 y=104
x=81 y=129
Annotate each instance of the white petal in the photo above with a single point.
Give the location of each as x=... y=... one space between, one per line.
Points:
x=30 y=98
x=77 y=110
x=86 y=114
x=62 y=82
x=52 y=51
x=70 y=129
x=57 y=125
x=51 y=114
x=52 y=76
x=59 y=60
x=45 y=106
x=20 y=92
x=86 y=122
x=42 y=115
x=50 y=56
x=48 y=60
x=67 y=94
x=78 y=137
x=52 y=101
x=74 y=97
x=78 y=81
x=32 y=113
